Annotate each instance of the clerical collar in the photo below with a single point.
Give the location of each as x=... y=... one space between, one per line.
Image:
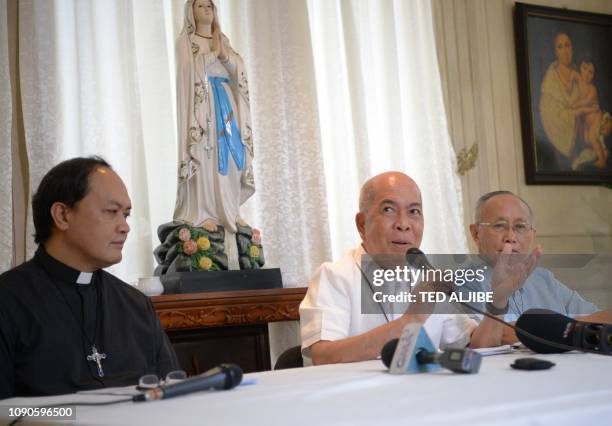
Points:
x=61 y=272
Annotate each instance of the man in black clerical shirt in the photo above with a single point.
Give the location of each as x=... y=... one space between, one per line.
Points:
x=65 y=324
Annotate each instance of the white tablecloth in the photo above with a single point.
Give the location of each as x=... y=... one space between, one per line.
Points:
x=578 y=390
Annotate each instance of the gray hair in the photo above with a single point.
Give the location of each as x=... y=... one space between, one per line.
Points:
x=486 y=197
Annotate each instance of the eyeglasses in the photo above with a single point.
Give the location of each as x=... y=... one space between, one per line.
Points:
x=519 y=228
x=151 y=381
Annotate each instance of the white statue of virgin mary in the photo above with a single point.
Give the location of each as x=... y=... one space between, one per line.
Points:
x=214 y=124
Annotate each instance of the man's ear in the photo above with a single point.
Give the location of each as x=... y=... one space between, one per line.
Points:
x=60 y=214
x=360 y=223
x=474 y=232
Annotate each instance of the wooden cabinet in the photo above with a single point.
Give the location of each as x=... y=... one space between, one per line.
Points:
x=207 y=329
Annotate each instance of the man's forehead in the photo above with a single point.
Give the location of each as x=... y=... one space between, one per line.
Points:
x=108 y=187
x=393 y=185
x=505 y=205
x=400 y=194
x=403 y=201
x=122 y=204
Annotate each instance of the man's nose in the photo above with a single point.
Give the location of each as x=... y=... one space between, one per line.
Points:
x=510 y=236
x=124 y=226
x=403 y=222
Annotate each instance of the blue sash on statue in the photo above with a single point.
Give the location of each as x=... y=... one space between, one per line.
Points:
x=227 y=129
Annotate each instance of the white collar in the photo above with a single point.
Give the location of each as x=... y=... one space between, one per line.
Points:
x=84 y=278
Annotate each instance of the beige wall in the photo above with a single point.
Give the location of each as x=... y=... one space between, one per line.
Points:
x=478 y=66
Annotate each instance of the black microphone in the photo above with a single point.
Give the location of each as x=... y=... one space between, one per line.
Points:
x=415 y=257
x=387 y=352
x=465 y=361
x=567 y=332
x=225 y=376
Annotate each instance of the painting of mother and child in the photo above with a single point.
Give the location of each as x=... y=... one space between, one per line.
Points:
x=570 y=68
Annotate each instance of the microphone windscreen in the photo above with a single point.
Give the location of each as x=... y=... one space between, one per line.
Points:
x=388 y=351
x=548 y=325
x=414 y=250
x=233 y=375
x=417 y=259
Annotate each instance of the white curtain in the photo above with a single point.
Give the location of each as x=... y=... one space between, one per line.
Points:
x=290 y=205
x=340 y=90
x=381 y=108
x=95 y=79
x=6 y=171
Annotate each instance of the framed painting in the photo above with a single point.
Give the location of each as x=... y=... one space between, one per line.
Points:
x=564 y=65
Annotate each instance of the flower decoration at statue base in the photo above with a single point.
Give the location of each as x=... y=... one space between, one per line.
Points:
x=188 y=248
x=250 y=250
x=200 y=250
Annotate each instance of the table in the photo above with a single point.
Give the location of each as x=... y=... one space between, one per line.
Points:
x=209 y=328
x=578 y=390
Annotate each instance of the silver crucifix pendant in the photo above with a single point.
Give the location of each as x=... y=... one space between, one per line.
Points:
x=97 y=358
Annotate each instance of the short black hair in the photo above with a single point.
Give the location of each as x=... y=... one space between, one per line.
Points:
x=67 y=183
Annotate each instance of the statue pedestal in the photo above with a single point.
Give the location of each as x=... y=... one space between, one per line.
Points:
x=246 y=279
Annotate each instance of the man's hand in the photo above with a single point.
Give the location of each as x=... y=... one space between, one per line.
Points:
x=510 y=273
x=509 y=335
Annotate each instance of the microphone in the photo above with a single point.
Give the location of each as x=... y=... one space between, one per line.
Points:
x=386 y=354
x=415 y=257
x=466 y=361
x=566 y=332
x=225 y=376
